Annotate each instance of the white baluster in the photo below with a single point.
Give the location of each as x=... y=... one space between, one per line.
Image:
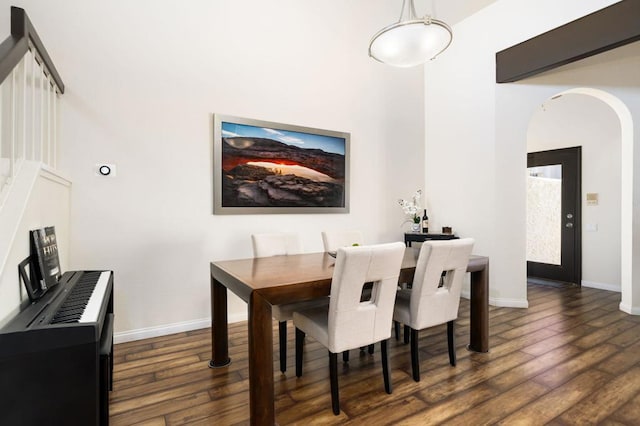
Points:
x=18 y=136
x=23 y=113
x=54 y=123
x=42 y=115
x=33 y=106
x=49 y=154
x=3 y=177
x=12 y=154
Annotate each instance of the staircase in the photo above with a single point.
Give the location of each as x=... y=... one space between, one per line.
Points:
x=33 y=193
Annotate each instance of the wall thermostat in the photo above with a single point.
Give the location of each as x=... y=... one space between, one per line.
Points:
x=104 y=169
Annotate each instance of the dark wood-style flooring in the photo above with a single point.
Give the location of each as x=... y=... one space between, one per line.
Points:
x=571 y=358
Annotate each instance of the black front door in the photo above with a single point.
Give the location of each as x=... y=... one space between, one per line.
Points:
x=554 y=243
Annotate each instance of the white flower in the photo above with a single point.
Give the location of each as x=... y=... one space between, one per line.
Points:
x=411 y=208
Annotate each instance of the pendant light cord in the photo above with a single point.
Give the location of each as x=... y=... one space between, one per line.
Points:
x=411 y=10
x=433 y=9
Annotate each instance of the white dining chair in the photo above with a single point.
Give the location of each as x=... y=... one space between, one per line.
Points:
x=333 y=240
x=278 y=244
x=432 y=301
x=347 y=322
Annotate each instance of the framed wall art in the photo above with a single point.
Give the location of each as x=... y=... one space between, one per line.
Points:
x=263 y=167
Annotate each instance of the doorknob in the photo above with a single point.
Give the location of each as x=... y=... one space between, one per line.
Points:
x=569 y=216
x=569 y=225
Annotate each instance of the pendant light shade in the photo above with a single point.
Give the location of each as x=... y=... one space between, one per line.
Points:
x=410 y=41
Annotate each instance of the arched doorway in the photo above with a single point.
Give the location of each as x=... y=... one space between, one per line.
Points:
x=616 y=111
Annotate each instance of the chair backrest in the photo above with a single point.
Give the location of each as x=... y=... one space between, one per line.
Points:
x=432 y=304
x=353 y=323
x=333 y=240
x=275 y=244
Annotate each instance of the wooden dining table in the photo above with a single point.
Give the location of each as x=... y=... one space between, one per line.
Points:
x=264 y=282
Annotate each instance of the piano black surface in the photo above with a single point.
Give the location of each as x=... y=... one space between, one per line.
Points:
x=56 y=358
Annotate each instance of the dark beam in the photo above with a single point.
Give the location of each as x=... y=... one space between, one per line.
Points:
x=606 y=29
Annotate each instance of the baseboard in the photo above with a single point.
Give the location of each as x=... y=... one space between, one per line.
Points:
x=163 y=330
x=501 y=302
x=632 y=310
x=508 y=303
x=601 y=286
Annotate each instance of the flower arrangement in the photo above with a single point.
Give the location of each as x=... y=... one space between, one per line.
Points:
x=411 y=208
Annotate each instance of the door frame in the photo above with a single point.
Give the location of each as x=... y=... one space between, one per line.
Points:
x=564 y=156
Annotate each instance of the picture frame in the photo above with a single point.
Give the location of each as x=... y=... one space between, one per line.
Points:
x=262 y=167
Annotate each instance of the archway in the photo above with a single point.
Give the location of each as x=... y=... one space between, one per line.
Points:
x=626 y=188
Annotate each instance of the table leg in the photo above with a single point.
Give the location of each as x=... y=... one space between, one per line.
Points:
x=219 y=326
x=479 y=338
x=261 y=391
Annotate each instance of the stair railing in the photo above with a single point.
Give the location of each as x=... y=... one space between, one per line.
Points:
x=30 y=87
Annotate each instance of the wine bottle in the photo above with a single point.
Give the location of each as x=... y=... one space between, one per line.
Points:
x=425 y=223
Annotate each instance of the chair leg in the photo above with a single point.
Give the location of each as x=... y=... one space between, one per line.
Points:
x=283 y=345
x=396 y=329
x=371 y=349
x=345 y=356
x=407 y=329
x=299 y=344
x=415 y=359
x=385 y=367
x=333 y=376
x=451 y=340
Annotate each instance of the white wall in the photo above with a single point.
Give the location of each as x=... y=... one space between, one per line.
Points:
x=47 y=204
x=580 y=120
x=482 y=127
x=142 y=80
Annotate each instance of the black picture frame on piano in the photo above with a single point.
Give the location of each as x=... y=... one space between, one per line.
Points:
x=26 y=273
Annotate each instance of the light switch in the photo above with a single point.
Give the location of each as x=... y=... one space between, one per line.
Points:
x=592 y=198
x=591 y=227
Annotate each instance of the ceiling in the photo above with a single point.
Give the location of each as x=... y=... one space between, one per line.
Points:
x=449 y=11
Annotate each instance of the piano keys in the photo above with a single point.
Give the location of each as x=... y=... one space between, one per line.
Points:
x=84 y=302
x=56 y=355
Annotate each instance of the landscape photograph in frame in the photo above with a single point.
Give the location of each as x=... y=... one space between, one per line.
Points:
x=265 y=167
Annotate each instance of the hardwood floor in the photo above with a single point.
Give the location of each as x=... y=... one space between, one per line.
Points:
x=571 y=358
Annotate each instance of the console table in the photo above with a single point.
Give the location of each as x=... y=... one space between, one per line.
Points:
x=417 y=237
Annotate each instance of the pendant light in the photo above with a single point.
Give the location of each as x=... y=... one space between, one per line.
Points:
x=410 y=41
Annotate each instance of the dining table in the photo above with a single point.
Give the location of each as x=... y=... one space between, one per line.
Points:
x=267 y=281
